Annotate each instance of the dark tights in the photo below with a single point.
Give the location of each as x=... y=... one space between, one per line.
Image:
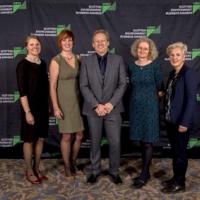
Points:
x=147 y=152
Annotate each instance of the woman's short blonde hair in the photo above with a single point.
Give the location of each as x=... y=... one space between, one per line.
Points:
x=180 y=45
x=153 y=52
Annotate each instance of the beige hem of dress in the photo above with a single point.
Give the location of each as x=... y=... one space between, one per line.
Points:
x=71 y=132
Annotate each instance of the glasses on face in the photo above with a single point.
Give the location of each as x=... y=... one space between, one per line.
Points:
x=144 y=49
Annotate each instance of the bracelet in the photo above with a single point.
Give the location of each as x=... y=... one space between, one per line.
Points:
x=27 y=112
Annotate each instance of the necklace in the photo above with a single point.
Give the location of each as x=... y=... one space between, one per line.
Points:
x=68 y=57
x=141 y=65
x=33 y=59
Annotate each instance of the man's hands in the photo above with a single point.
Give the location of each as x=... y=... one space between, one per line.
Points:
x=104 y=109
x=108 y=107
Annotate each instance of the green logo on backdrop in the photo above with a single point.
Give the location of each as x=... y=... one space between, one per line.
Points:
x=55 y=154
x=18 y=6
x=195 y=53
x=108 y=7
x=59 y=28
x=16 y=140
x=16 y=96
x=195 y=7
x=104 y=141
x=153 y=30
x=112 y=50
x=193 y=142
x=19 y=51
x=198 y=97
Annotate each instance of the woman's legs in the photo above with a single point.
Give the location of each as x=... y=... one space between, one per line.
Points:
x=147 y=152
x=178 y=142
x=65 y=150
x=38 y=151
x=28 y=152
x=75 y=150
x=180 y=160
x=76 y=145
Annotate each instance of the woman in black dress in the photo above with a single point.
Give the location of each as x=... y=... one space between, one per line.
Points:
x=32 y=80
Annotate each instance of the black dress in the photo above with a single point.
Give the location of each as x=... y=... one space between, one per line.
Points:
x=32 y=80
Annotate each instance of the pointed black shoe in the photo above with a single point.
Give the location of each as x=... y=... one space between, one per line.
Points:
x=139 y=177
x=139 y=183
x=116 y=179
x=92 y=178
x=174 y=188
x=73 y=167
x=168 y=182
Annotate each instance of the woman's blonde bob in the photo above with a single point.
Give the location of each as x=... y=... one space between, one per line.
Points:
x=153 y=52
x=180 y=45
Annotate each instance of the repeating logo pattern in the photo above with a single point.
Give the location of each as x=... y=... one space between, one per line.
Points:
x=51 y=31
x=97 y=9
x=12 y=8
x=184 y=9
x=142 y=32
x=9 y=98
x=12 y=53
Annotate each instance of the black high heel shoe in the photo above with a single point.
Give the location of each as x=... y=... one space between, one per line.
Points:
x=73 y=167
x=139 y=182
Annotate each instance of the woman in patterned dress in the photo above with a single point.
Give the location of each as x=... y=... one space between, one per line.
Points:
x=64 y=90
x=146 y=85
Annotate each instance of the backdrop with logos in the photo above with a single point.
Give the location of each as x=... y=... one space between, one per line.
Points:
x=163 y=21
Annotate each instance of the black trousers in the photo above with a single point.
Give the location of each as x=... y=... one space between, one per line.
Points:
x=178 y=143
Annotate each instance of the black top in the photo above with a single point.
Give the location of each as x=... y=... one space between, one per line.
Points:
x=32 y=80
x=169 y=92
x=102 y=60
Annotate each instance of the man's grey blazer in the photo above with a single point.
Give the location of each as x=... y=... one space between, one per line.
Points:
x=98 y=89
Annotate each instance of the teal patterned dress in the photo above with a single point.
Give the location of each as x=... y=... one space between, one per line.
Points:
x=145 y=82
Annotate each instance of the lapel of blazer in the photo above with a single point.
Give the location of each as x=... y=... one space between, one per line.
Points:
x=108 y=71
x=95 y=64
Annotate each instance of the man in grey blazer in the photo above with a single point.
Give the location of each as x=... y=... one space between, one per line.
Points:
x=103 y=83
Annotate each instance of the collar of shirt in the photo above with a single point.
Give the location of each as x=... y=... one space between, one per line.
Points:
x=104 y=57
